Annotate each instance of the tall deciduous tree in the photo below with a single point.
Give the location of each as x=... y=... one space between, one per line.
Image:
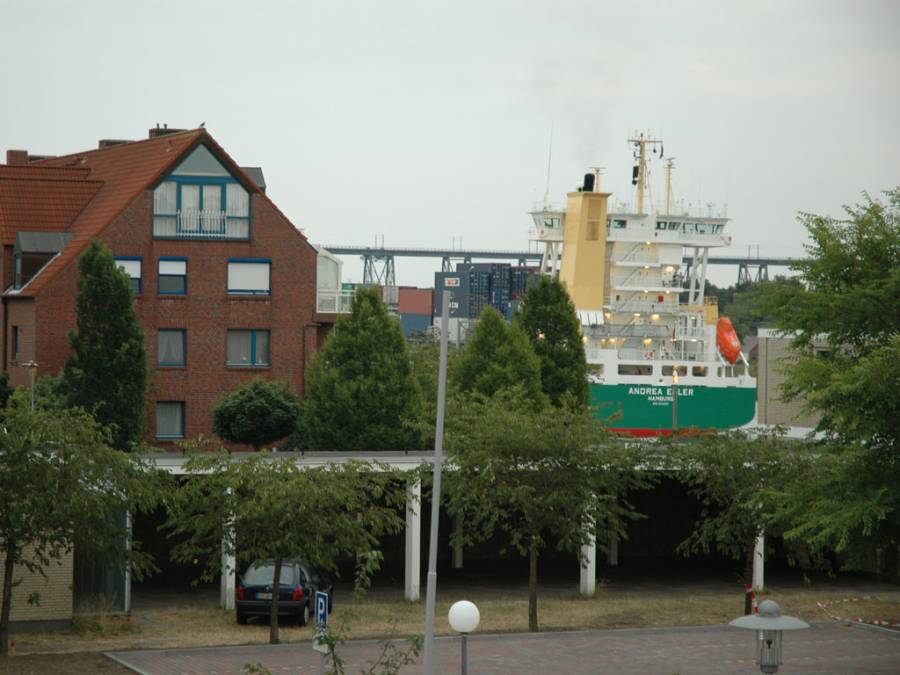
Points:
x=547 y=317
x=106 y=373
x=61 y=486
x=266 y=507
x=257 y=413
x=734 y=477
x=541 y=478
x=498 y=356
x=846 y=323
x=360 y=389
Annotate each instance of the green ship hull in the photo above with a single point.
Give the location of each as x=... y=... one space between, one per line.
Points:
x=646 y=410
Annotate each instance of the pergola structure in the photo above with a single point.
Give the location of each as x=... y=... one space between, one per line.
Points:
x=400 y=461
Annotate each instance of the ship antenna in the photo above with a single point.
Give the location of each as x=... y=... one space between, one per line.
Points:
x=670 y=164
x=641 y=142
x=549 y=157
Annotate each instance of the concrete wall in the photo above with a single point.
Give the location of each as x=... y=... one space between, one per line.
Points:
x=773 y=353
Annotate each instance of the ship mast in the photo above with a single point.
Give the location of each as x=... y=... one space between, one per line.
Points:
x=670 y=164
x=639 y=176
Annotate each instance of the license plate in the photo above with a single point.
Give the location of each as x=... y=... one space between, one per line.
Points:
x=263 y=596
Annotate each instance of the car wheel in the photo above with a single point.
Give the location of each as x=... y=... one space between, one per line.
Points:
x=303 y=616
x=241 y=618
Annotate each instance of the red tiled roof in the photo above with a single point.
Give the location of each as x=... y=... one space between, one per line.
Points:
x=109 y=180
x=41 y=205
x=124 y=171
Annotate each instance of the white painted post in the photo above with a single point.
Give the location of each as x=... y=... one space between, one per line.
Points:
x=128 y=526
x=612 y=553
x=588 y=585
x=226 y=587
x=412 y=570
x=228 y=564
x=759 y=562
x=457 y=547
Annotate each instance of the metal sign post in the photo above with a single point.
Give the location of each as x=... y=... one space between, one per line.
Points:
x=319 y=642
x=436 y=490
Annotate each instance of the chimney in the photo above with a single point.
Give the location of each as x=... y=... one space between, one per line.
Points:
x=110 y=142
x=162 y=131
x=17 y=157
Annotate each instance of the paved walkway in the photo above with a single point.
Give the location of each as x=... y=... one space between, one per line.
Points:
x=825 y=649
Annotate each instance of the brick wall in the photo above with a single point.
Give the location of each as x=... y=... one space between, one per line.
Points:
x=206 y=312
x=55 y=591
x=20 y=314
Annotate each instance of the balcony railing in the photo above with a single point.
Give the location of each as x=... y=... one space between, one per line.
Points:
x=201 y=224
x=333 y=301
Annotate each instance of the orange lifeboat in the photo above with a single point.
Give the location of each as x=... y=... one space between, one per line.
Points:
x=727 y=340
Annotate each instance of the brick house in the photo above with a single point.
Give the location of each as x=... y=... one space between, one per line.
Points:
x=225 y=285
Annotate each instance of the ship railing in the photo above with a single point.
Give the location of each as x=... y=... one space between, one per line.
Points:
x=629 y=330
x=333 y=301
x=657 y=354
x=690 y=333
x=643 y=307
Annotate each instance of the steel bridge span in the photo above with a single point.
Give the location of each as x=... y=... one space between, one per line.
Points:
x=379 y=262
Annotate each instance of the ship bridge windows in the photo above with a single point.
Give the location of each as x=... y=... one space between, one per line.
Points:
x=674 y=226
x=661 y=225
x=640 y=370
x=619 y=224
x=699 y=371
x=668 y=371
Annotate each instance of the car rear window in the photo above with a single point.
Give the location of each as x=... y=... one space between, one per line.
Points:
x=261 y=575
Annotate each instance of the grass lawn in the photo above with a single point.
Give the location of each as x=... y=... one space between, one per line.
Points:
x=189 y=621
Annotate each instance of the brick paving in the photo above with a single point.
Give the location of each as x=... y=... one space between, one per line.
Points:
x=825 y=649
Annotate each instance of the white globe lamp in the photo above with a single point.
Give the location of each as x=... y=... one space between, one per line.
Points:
x=464 y=618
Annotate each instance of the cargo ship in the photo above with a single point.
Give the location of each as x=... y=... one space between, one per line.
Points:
x=660 y=359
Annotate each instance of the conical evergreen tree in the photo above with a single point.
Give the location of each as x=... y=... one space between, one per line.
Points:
x=106 y=373
x=360 y=389
x=498 y=357
x=547 y=316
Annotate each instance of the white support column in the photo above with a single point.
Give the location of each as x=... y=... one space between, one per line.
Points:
x=701 y=285
x=228 y=565
x=692 y=281
x=128 y=535
x=412 y=570
x=612 y=553
x=457 y=548
x=759 y=562
x=588 y=585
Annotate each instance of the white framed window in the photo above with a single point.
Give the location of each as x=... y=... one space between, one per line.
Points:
x=131 y=265
x=170 y=419
x=249 y=276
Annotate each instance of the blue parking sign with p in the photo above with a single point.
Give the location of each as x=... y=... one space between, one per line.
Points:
x=321 y=608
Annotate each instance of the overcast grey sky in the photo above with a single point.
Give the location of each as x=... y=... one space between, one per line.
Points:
x=425 y=121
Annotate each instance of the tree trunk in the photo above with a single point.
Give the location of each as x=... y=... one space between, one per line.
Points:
x=276 y=592
x=532 y=587
x=748 y=579
x=6 y=605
